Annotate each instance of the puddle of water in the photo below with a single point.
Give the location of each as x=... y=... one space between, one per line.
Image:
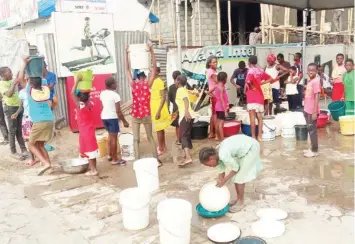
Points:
x=332 y=171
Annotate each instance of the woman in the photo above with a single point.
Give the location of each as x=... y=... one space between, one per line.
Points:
x=348 y=80
x=241 y=154
x=9 y=93
x=160 y=113
x=336 y=80
x=186 y=116
x=38 y=94
x=141 y=114
x=211 y=66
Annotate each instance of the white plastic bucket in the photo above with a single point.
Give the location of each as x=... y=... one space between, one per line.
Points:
x=269 y=131
x=147 y=176
x=126 y=145
x=288 y=132
x=135 y=208
x=139 y=56
x=174 y=216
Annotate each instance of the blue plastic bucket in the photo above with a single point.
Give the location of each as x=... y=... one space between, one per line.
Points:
x=337 y=109
x=247 y=131
x=35 y=66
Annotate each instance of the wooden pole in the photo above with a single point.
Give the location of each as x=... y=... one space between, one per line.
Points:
x=199 y=22
x=263 y=24
x=286 y=23
x=186 y=27
x=150 y=9
x=229 y=23
x=174 y=20
x=350 y=23
x=159 y=24
x=322 y=22
x=193 y=23
x=218 y=22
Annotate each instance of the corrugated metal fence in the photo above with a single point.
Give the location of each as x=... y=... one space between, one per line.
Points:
x=123 y=38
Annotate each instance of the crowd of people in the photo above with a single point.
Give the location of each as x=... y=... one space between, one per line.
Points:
x=28 y=103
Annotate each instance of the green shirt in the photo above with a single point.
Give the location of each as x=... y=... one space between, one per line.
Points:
x=348 y=80
x=14 y=100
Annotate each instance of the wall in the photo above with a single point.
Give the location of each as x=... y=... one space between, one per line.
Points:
x=208 y=22
x=36 y=27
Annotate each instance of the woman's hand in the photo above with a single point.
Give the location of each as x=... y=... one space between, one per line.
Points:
x=158 y=114
x=187 y=116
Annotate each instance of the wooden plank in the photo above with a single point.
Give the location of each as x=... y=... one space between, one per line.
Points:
x=229 y=23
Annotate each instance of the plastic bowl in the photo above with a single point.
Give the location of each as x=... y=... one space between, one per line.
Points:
x=207 y=214
x=214 y=198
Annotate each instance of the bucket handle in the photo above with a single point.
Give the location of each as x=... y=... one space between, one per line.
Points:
x=269 y=127
x=137 y=208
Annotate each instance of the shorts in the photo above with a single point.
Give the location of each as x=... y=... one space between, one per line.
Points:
x=213 y=105
x=41 y=131
x=221 y=115
x=90 y=155
x=275 y=96
x=26 y=127
x=259 y=108
x=86 y=43
x=111 y=125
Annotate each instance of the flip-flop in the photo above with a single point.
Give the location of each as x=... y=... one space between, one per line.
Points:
x=31 y=163
x=89 y=173
x=44 y=170
x=178 y=143
x=236 y=208
x=184 y=163
x=120 y=163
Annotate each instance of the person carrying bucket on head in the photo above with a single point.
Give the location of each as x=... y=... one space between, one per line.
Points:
x=111 y=111
x=241 y=153
x=311 y=108
x=141 y=113
x=52 y=81
x=87 y=139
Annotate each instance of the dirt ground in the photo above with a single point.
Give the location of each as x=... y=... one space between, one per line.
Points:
x=317 y=193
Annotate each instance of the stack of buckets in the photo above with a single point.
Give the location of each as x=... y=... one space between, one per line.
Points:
x=174 y=215
x=344 y=115
x=35 y=66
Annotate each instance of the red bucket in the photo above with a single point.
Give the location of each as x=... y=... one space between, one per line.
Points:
x=231 y=128
x=322 y=120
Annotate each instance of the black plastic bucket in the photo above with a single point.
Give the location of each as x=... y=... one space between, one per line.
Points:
x=301 y=132
x=199 y=130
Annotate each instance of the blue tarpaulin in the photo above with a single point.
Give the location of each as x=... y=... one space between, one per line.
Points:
x=45 y=8
x=153 y=18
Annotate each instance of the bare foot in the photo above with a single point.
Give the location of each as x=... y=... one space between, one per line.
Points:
x=237 y=207
x=92 y=173
x=45 y=169
x=210 y=136
x=232 y=203
x=185 y=162
x=260 y=139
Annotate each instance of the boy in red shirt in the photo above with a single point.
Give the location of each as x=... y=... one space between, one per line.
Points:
x=255 y=98
x=311 y=109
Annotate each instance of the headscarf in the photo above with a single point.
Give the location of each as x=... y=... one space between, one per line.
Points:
x=271 y=58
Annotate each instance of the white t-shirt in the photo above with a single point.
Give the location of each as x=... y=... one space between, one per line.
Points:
x=291 y=89
x=273 y=72
x=109 y=99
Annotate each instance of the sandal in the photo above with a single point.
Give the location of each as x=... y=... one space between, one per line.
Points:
x=120 y=163
x=160 y=163
x=44 y=170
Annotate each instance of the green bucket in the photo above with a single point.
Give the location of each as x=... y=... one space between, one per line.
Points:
x=86 y=83
x=337 y=109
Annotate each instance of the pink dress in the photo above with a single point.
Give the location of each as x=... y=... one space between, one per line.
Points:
x=217 y=92
x=87 y=136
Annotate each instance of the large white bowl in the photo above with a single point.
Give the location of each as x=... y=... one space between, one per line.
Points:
x=213 y=198
x=223 y=233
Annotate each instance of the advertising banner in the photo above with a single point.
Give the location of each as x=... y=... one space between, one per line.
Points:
x=87 y=44
x=15 y=12
x=82 y=6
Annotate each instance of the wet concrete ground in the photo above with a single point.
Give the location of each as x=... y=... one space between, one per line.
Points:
x=317 y=193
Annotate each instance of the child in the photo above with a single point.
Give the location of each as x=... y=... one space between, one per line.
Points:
x=298 y=64
x=336 y=80
x=186 y=116
x=9 y=93
x=211 y=66
x=291 y=89
x=222 y=105
x=348 y=80
x=172 y=96
x=111 y=111
x=255 y=99
x=239 y=75
x=87 y=138
x=38 y=94
x=311 y=108
x=241 y=154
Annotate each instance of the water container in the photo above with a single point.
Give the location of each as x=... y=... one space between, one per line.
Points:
x=35 y=66
x=147 y=176
x=86 y=83
x=139 y=56
x=337 y=109
x=301 y=132
x=102 y=145
x=288 y=132
x=126 y=146
x=269 y=131
x=135 y=208
x=174 y=216
x=347 y=125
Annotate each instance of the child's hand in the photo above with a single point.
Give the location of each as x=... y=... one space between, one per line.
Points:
x=14 y=116
x=221 y=183
x=314 y=116
x=79 y=78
